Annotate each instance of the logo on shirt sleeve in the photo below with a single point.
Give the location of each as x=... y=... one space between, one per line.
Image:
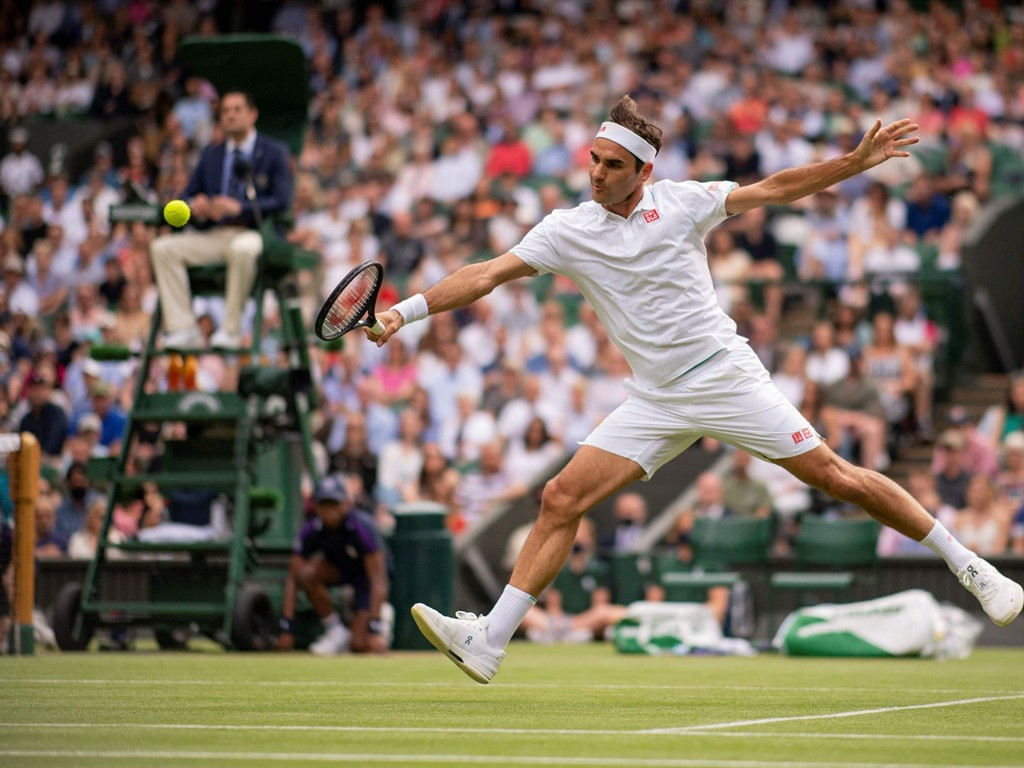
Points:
x=803 y=434
x=651 y=215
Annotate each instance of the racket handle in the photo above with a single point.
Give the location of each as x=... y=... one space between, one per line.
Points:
x=377 y=328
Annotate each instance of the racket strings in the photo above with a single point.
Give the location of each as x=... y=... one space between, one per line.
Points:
x=351 y=304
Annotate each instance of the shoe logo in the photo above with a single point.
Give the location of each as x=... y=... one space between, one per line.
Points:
x=468 y=640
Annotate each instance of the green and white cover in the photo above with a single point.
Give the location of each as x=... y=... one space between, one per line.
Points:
x=910 y=623
x=674 y=628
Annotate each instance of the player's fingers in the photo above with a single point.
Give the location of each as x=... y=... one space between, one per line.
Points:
x=903 y=130
x=874 y=128
x=389 y=330
x=907 y=142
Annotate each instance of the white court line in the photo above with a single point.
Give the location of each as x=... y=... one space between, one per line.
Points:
x=461 y=683
x=835 y=715
x=320 y=757
x=435 y=730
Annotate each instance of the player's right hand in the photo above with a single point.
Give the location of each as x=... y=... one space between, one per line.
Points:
x=392 y=321
x=286 y=641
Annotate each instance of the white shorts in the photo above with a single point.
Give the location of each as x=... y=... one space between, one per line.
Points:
x=730 y=398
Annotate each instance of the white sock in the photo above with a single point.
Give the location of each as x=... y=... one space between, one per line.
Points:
x=507 y=614
x=331 y=620
x=942 y=543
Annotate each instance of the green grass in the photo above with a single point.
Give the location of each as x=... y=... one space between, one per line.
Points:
x=559 y=706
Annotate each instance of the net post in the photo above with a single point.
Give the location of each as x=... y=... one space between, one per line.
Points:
x=24 y=471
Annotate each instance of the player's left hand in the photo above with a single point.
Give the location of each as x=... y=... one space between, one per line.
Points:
x=879 y=144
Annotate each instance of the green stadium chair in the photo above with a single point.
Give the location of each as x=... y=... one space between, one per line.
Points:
x=831 y=555
x=731 y=541
x=627 y=575
x=718 y=546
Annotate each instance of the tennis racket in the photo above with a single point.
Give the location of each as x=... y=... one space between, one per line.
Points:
x=353 y=298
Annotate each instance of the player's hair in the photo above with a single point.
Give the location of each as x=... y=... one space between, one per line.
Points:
x=628 y=116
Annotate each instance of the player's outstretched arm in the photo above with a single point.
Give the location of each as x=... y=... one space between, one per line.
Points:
x=460 y=289
x=878 y=145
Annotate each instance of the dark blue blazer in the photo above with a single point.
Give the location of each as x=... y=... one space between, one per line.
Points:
x=272 y=177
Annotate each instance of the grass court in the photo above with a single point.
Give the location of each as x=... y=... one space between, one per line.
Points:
x=548 y=706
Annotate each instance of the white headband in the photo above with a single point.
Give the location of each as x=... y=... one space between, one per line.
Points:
x=626 y=138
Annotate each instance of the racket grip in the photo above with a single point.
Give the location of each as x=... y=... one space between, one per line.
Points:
x=377 y=328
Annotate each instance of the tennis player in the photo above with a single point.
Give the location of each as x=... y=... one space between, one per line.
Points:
x=637 y=254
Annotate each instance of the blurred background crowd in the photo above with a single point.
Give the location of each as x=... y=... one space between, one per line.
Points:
x=440 y=133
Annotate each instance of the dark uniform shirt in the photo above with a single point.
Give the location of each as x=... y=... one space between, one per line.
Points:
x=344 y=547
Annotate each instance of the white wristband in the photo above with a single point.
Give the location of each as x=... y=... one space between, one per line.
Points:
x=412 y=309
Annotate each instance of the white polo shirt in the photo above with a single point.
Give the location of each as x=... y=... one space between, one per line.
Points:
x=646 y=276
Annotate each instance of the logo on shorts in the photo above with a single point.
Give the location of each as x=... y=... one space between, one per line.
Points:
x=798 y=437
x=651 y=215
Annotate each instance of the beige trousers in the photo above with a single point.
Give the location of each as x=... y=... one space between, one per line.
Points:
x=237 y=247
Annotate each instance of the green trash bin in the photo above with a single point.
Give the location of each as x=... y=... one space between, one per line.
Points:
x=424 y=568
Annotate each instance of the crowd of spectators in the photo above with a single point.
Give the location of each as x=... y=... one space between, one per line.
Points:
x=439 y=134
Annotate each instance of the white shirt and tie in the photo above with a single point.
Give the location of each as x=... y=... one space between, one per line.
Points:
x=233 y=151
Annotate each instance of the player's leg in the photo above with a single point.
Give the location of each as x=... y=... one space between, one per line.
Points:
x=876 y=494
x=891 y=505
x=736 y=402
x=476 y=644
x=591 y=475
x=316 y=575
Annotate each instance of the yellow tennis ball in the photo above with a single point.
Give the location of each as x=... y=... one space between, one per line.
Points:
x=177 y=212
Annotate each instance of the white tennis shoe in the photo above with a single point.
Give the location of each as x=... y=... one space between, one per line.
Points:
x=333 y=641
x=462 y=639
x=1001 y=597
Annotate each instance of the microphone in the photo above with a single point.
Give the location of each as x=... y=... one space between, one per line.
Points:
x=243 y=171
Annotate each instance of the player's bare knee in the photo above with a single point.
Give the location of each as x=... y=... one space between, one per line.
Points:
x=559 y=502
x=842 y=481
